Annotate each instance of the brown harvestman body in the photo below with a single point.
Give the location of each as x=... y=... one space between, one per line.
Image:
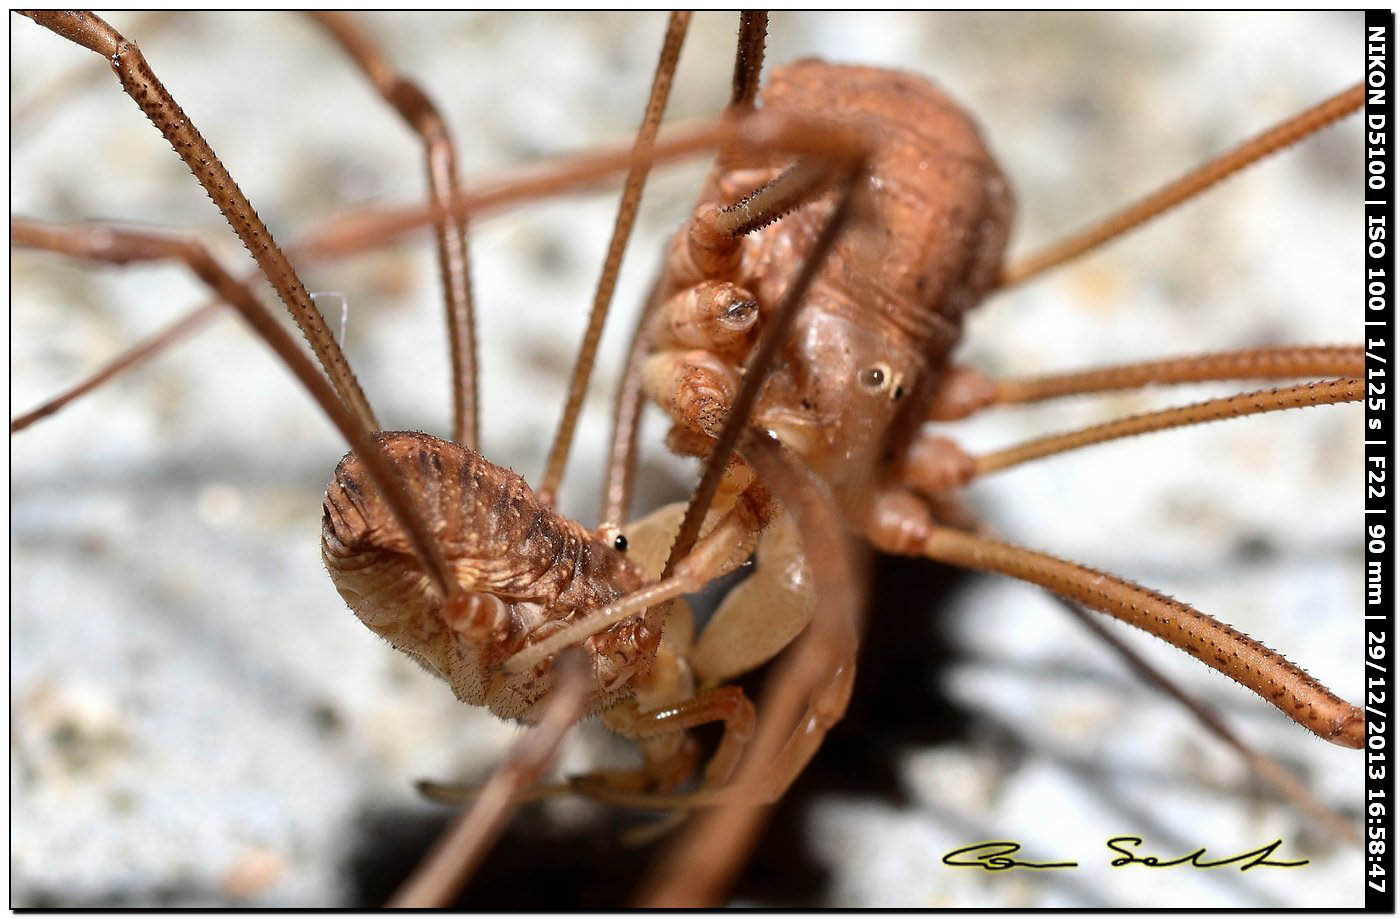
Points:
x=1008 y=170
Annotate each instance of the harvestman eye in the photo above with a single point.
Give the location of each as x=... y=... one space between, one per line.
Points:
x=875 y=378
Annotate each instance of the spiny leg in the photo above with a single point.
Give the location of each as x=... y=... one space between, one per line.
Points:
x=27 y=114
x=968 y=391
x=748 y=59
x=1259 y=763
x=1328 y=392
x=100 y=243
x=1268 y=674
x=141 y=84
x=1188 y=186
x=627 y=408
x=964 y=390
x=676 y=28
x=900 y=524
x=409 y=100
x=934 y=464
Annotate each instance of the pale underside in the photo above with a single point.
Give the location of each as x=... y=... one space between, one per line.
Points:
x=192 y=703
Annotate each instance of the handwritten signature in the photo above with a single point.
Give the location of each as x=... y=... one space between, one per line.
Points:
x=996 y=856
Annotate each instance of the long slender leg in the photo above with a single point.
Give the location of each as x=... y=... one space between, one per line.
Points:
x=1260 y=764
x=378 y=226
x=25 y=115
x=450 y=231
x=967 y=391
x=1188 y=186
x=964 y=390
x=138 y=354
x=1270 y=675
x=453 y=858
x=617 y=487
x=676 y=28
x=627 y=416
x=120 y=246
x=805 y=693
x=934 y=464
x=748 y=59
x=141 y=84
x=1249 y=364
x=373 y=227
x=1268 y=400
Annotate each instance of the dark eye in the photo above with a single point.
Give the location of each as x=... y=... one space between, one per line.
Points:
x=874 y=378
x=620 y=543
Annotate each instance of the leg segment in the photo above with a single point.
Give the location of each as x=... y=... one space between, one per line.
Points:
x=456 y=855
x=612 y=264
x=1328 y=392
x=806 y=692
x=120 y=246
x=451 y=229
x=141 y=84
x=140 y=353
x=964 y=391
x=1249 y=663
x=723 y=703
x=1188 y=186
